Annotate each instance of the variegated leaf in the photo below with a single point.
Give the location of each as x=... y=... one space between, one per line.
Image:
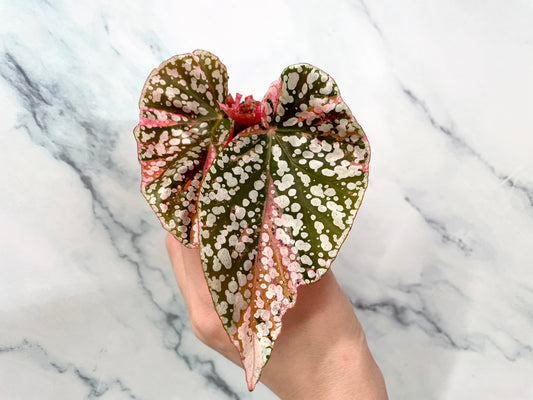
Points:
x=181 y=129
x=276 y=205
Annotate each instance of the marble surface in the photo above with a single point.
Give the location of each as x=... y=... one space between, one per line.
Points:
x=438 y=265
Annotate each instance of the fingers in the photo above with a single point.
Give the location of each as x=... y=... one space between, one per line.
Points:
x=198 y=291
x=174 y=248
x=205 y=323
x=189 y=274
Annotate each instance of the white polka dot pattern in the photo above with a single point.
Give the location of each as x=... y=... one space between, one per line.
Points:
x=181 y=129
x=276 y=204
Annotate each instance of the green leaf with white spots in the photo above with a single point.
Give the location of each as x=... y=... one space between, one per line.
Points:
x=276 y=205
x=181 y=129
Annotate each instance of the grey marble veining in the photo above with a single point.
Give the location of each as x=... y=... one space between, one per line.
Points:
x=437 y=265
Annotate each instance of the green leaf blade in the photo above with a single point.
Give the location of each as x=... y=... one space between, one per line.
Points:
x=265 y=233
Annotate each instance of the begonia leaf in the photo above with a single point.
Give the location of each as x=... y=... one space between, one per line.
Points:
x=275 y=206
x=181 y=129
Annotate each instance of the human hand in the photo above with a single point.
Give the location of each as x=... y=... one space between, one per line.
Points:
x=321 y=352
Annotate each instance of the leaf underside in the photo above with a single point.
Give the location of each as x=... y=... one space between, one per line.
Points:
x=275 y=206
x=181 y=128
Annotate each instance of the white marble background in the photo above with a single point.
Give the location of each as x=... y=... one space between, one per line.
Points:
x=438 y=265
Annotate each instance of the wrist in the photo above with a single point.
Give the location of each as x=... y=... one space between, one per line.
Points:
x=322 y=350
x=332 y=369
